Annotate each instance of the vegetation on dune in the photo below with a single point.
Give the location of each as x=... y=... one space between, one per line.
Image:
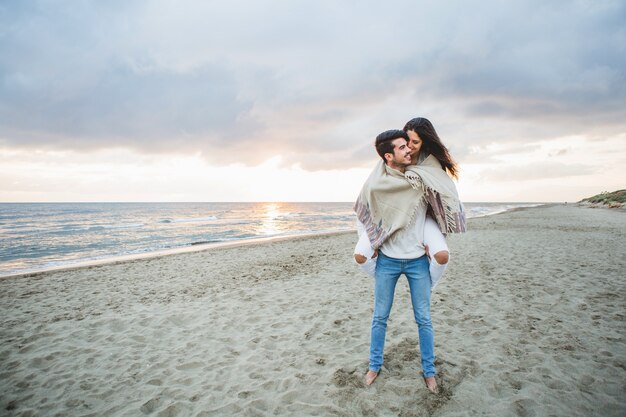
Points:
x=616 y=197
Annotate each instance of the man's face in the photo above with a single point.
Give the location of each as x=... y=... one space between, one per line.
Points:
x=401 y=154
x=415 y=143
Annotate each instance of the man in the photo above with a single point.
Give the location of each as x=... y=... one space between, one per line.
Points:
x=392 y=213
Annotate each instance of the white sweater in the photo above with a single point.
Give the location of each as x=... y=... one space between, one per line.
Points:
x=407 y=243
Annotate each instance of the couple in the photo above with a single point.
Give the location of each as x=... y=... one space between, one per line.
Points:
x=404 y=209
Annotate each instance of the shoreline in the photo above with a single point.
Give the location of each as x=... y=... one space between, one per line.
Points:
x=121 y=259
x=118 y=259
x=514 y=209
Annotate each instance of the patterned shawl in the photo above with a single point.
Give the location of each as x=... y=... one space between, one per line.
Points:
x=389 y=200
x=440 y=193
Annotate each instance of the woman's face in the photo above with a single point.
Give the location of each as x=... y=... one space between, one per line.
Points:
x=415 y=143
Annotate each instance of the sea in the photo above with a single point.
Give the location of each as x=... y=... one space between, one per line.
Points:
x=42 y=236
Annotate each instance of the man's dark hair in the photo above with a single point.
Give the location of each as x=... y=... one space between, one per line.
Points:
x=383 y=141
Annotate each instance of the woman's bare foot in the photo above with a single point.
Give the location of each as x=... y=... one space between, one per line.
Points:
x=431 y=384
x=370 y=377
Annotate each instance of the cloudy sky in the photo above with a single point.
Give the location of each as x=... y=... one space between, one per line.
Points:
x=159 y=100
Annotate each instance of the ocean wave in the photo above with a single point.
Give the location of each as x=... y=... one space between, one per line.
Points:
x=118 y=226
x=478 y=210
x=192 y=220
x=205 y=242
x=290 y=215
x=66 y=228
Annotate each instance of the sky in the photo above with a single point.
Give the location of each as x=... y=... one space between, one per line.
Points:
x=125 y=100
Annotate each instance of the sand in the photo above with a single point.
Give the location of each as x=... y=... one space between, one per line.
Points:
x=529 y=321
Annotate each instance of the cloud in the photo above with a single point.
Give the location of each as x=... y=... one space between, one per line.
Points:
x=124 y=106
x=569 y=57
x=493 y=154
x=536 y=171
x=559 y=152
x=312 y=82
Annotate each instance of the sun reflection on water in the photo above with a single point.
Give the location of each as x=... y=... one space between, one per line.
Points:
x=269 y=225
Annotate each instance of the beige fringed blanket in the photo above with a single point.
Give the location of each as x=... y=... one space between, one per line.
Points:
x=440 y=193
x=389 y=199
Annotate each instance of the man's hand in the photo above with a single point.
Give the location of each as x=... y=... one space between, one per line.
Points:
x=375 y=254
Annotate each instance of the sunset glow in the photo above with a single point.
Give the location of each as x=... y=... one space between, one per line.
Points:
x=151 y=102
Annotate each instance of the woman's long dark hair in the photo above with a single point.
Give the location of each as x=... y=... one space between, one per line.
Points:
x=431 y=144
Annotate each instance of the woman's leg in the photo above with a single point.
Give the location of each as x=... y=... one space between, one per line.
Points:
x=437 y=249
x=363 y=253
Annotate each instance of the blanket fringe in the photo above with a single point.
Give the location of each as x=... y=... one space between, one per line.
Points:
x=449 y=219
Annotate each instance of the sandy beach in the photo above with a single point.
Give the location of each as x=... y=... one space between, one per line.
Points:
x=529 y=321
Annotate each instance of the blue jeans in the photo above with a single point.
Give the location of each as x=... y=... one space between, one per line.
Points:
x=388 y=270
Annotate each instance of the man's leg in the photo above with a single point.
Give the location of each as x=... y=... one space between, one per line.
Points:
x=419 y=284
x=387 y=273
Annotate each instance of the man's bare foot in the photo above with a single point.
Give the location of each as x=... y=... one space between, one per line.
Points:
x=431 y=384
x=370 y=377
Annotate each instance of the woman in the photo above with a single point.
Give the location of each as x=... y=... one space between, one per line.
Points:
x=424 y=143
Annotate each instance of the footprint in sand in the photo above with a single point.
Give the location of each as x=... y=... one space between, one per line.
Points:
x=151 y=405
